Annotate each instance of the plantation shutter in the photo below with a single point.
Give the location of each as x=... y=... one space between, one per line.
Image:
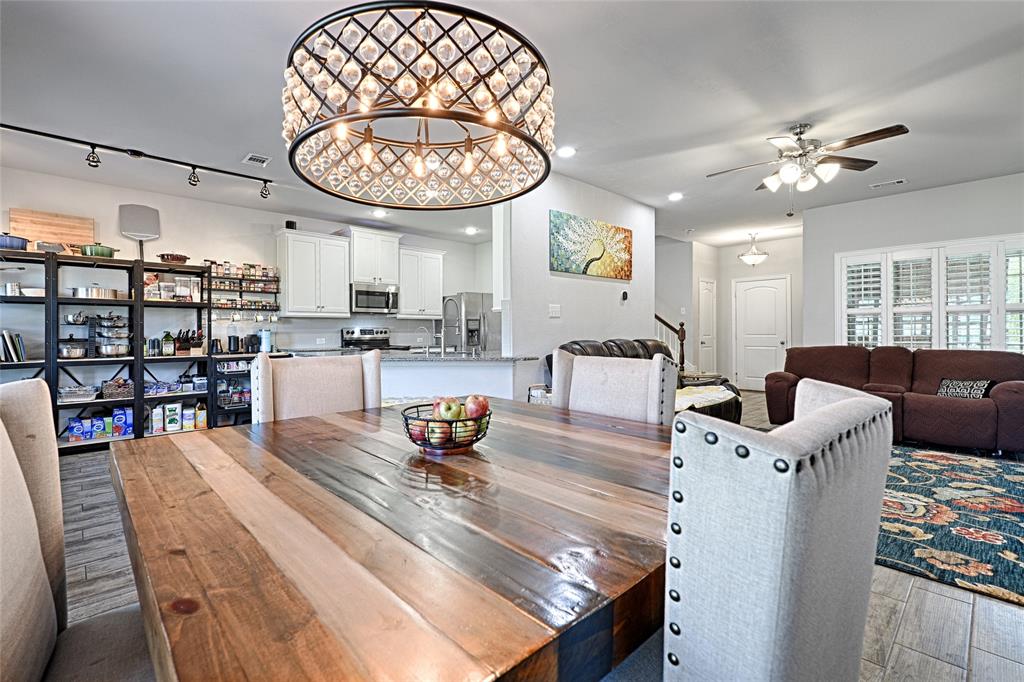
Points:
x=912 y=302
x=969 y=300
x=1015 y=299
x=863 y=285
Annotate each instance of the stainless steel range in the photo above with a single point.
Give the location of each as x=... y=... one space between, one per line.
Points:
x=368 y=338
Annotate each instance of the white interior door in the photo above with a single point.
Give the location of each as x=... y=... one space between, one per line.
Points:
x=762 y=329
x=707 y=320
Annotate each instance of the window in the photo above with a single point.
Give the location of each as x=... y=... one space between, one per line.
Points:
x=863 y=303
x=938 y=296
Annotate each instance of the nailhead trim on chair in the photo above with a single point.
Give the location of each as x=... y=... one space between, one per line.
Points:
x=711 y=437
x=742 y=451
x=674 y=629
x=680 y=427
x=674 y=562
x=673 y=595
x=677 y=496
x=676 y=528
x=677 y=462
x=673 y=659
x=781 y=465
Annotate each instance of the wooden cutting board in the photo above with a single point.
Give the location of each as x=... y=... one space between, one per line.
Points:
x=51 y=227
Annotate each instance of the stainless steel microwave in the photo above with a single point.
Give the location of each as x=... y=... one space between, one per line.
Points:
x=374 y=298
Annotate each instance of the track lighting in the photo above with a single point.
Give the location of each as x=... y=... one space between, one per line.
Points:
x=193 y=179
x=92 y=158
x=265 y=192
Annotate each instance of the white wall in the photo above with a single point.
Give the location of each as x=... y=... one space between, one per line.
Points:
x=484 y=268
x=982 y=208
x=673 y=285
x=591 y=307
x=205 y=229
x=785 y=257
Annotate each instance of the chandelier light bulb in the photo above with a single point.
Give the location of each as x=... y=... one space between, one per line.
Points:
x=193 y=179
x=433 y=102
x=492 y=116
x=501 y=144
x=826 y=171
x=92 y=158
x=773 y=182
x=340 y=131
x=806 y=183
x=790 y=172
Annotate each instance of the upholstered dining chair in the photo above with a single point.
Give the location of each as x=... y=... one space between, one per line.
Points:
x=771 y=543
x=630 y=388
x=35 y=642
x=285 y=388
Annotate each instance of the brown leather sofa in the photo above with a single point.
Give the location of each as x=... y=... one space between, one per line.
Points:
x=909 y=380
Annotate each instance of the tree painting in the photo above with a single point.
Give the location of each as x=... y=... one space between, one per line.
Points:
x=583 y=246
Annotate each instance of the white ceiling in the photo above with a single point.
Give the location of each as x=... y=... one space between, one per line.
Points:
x=655 y=95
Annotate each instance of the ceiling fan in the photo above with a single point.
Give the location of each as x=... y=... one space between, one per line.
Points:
x=803 y=162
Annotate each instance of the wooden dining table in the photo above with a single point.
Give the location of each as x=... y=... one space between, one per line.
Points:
x=330 y=547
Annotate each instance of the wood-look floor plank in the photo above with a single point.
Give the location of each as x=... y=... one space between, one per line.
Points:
x=944 y=589
x=880 y=630
x=390 y=639
x=209 y=582
x=869 y=672
x=908 y=665
x=999 y=628
x=988 y=667
x=937 y=626
x=891 y=583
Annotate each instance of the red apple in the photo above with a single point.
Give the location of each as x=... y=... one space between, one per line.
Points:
x=449 y=408
x=465 y=431
x=418 y=430
x=477 y=406
x=439 y=432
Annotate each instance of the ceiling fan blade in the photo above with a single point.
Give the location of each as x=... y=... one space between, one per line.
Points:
x=785 y=144
x=752 y=165
x=761 y=186
x=848 y=162
x=864 y=138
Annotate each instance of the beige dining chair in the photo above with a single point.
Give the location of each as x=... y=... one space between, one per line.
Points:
x=35 y=642
x=771 y=543
x=285 y=388
x=629 y=388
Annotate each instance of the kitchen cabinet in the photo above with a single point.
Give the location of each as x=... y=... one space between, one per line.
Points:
x=375 y=258
x=420 y=288
x=314 y=274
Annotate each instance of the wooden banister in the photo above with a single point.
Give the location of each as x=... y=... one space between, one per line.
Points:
x=679 y=332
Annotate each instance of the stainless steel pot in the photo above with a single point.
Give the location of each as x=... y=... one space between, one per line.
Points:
x=71 y=352
x=94 y=291
x=77 y=318
x=112 y=320
x=113 y=332
x=109 y=350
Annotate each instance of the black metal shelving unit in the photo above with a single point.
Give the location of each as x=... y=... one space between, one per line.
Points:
x=52 y=368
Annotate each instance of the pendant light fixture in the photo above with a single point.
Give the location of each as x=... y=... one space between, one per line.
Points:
x=417 y=105
x=753 y=256
x=193 y=178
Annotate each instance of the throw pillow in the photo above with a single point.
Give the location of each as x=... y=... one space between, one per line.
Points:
x=972 y=389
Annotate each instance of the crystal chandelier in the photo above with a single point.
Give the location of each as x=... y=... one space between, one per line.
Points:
x=753 y=256
x=417 y=105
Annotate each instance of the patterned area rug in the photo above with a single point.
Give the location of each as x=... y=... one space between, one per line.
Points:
x=955 y=518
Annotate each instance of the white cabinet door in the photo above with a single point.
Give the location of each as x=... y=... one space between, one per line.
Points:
x=387 y=259
x=334 y=296
x=301 y=276
x=409 y=283
x=431 y=282
x=365 y=257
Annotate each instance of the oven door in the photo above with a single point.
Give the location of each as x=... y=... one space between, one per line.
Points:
x=373 y=298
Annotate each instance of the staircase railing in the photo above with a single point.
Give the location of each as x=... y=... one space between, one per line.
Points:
x=671 y=335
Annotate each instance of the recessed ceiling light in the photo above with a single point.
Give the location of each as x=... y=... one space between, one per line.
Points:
x=471 y=230
x=379 y=213
x=566 y=152
x=675 y=196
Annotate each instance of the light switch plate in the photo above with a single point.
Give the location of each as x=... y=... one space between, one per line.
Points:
x=554 y=310
x=682 y=311
x=320 y=340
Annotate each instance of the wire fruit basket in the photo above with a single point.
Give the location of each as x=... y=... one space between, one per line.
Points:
x=443 y=436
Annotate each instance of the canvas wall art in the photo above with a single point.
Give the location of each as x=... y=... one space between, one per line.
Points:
x=583 y=246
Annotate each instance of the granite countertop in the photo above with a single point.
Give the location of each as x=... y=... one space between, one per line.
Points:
x=409 y=356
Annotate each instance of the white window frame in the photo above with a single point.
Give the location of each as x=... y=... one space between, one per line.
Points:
x=997 y=246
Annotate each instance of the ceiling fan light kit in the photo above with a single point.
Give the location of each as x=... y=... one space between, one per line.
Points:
x=419 y=105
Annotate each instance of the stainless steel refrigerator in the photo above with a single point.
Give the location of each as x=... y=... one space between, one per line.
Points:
x=468 y=323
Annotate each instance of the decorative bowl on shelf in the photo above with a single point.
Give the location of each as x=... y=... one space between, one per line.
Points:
x=440 y=436
x=177 y=258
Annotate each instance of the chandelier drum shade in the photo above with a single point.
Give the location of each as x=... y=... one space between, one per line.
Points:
x=417 y=105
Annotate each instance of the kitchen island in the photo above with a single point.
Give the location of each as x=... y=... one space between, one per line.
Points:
x=414 y=373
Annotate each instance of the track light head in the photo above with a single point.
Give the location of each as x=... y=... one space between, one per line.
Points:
x=193 y=179
x=92 y=158
x=265 y=192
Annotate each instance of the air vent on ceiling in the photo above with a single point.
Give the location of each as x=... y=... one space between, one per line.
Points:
x=260 y=160
x=888 y=183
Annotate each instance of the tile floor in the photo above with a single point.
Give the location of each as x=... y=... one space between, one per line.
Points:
x=917 y=629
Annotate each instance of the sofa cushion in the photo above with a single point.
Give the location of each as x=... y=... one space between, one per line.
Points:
x=585 y=347
x=892 y=365
x=883 y=388
x=969 y=389
x=843 y=365
x=652 y=347
x=950 y=421
x=625 y=348
x=931 y=366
